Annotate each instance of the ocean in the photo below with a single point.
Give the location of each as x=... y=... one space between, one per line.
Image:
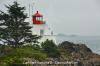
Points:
x=93 y=42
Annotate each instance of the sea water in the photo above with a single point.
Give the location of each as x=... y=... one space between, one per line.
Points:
x=93 y=42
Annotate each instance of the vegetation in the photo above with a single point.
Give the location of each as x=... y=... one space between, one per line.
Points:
x=34 y=52
x=50 y=48
x=4 y=49
x=20 y=55
x=14 y=31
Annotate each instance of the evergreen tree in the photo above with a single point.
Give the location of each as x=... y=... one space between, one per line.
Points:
x=14 y=31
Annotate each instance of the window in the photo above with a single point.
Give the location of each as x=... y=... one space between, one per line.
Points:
x=39 y=18
x=41 y=32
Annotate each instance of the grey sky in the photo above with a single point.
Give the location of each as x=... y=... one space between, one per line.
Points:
x=81 y=17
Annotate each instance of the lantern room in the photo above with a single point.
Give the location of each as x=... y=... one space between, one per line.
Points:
x=37 y=18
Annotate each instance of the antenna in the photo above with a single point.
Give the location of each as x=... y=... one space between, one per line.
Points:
x=33 y=4
x=29 y=17
x=29 y=10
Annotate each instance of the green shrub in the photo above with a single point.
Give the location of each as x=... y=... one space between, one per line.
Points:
x=50 y=48
x=18 y=55
x=27 y=52
x=33 y=47
x=7 y=61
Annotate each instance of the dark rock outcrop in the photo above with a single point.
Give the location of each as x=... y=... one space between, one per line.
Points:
x=80 y=53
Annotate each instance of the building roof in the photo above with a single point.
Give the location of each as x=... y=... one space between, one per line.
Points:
x=38 y=15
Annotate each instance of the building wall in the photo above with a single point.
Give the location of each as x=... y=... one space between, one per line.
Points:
x=36 y=29
x=47 y=32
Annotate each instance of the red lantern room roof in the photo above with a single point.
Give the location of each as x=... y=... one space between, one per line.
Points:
x=38 y=15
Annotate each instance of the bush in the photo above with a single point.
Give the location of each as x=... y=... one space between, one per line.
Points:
x=50 y=48
x=7 y=61
x=27 y=52
x=33 y=47
x=5 y=49
x=18 y=55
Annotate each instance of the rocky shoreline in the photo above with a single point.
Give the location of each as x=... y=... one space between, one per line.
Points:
x=71 y=52
x=78 y=53
x=74 y=54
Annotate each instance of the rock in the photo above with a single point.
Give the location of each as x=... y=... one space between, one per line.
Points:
x=80 y=53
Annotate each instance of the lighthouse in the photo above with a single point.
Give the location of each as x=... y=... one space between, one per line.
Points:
x=40 y=28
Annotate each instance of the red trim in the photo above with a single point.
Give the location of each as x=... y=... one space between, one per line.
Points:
x=37 y=21
x=37 y=14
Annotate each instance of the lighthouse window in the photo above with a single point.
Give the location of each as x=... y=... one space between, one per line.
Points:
x=39 y=18
x=41 y=32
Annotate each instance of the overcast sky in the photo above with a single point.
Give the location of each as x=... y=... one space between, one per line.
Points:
x=80 y=17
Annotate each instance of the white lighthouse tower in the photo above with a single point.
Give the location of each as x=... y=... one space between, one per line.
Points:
x=39 y=27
